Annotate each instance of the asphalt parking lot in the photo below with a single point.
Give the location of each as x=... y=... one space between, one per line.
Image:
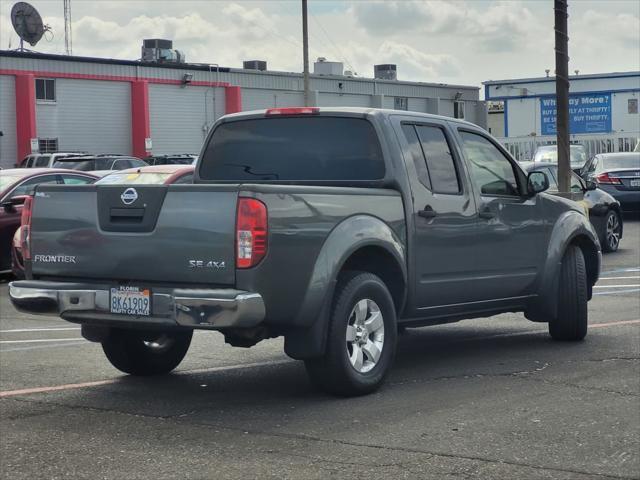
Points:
x=488 y=398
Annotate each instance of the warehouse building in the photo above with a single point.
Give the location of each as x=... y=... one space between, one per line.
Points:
x=598 y=104
x=162 y=106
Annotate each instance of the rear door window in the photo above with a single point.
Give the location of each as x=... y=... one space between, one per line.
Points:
x=440 y=163
x=415 y=150
x=312 y=148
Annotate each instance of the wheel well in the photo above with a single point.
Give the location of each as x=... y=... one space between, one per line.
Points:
x=380 y=262
x=590 y=253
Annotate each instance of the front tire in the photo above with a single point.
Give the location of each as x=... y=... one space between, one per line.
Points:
x=146 y=352
x=571 y=321
x=612 y=232
x=361 y=340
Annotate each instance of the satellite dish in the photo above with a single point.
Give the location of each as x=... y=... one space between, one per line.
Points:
x=27 y=23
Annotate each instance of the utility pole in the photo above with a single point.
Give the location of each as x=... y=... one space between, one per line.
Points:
x=305 y=53
x=562 y=96
x=68 y=40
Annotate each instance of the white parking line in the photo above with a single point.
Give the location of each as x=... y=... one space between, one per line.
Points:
x=41 y=340
x=619 y=278
x=617 y=286
x=618 y=292
x=27 y=330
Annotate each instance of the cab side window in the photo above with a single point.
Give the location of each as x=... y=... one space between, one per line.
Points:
x=491 y=171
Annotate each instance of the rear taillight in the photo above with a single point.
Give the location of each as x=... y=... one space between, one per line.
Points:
x=608 y=180
x=251 y=232
x=25 y=228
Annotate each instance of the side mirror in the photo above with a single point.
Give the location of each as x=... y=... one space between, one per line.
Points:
x=10 y=205
x=537 y=182
x=590 y=185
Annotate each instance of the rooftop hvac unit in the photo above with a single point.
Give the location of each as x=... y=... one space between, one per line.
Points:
x=255 y=65
x=322 y=67
x=160 y=51
x=387 y=71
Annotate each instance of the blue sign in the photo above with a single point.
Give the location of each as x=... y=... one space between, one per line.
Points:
x=588 y=113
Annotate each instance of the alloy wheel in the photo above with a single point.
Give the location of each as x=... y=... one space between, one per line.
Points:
x=365 y=335
x=613 y=231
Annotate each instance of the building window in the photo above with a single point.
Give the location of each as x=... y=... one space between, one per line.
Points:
x=45 y=90
x=48 y=145
x=632 y=105
x=401 y=103
x=458 y=109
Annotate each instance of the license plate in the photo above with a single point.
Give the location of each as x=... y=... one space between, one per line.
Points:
x=133 y=301
x=635 y=183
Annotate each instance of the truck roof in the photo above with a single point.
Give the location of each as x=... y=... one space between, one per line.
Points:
x=353 y=111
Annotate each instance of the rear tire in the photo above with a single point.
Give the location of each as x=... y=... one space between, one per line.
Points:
x=571 y=321
x=146 y=352
x=361 y=340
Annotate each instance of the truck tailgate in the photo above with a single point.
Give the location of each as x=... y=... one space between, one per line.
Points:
x=155 y=233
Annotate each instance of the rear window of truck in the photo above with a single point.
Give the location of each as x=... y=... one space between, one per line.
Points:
x=293 y=148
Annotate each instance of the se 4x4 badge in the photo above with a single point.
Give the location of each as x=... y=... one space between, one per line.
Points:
x=205 y=264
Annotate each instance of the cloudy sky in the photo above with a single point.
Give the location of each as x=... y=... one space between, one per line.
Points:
x=454 y=41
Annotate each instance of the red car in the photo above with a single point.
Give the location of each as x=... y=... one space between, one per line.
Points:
x=14 y=185
x=158 y=174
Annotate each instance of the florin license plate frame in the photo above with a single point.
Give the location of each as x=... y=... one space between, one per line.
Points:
x=131 y=301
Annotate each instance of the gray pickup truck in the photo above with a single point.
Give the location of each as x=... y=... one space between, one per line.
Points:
x=332 y=227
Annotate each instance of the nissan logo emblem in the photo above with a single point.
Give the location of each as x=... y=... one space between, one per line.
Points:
x=129 y=196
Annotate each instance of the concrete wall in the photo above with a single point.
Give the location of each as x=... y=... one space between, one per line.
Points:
x=8 y=147
x=88 y=115
x=181 y=116
x=93 y=108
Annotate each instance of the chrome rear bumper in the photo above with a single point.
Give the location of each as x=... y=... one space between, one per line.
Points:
x=191 y=308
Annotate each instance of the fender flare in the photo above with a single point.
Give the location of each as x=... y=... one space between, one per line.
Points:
x=569 y=226
x=345 y=239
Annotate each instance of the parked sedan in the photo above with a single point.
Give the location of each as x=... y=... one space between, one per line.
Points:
x=604 y=210
x=14 y=185
x=617 y=174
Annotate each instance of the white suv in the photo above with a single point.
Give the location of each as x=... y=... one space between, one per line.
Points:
x=45 y=160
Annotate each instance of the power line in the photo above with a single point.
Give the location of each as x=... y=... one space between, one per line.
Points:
x=340 y=54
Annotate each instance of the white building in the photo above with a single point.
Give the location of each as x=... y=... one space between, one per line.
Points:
x=599 y=104
x=67 y=103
